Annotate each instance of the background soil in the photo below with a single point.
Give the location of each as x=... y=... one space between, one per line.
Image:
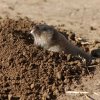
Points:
x=76 y=15
x=31 y=73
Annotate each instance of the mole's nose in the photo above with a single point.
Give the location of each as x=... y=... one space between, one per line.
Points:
x=31 y=32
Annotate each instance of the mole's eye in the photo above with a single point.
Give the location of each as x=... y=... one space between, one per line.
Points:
x=45 y=29
x=37 y=28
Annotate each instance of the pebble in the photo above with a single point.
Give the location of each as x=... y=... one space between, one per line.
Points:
x=58 y=75
x=32 y=86
x=9 y=96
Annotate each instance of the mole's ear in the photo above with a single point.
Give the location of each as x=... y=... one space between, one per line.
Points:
x=36 y=27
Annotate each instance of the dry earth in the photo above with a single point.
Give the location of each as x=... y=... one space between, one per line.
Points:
x=24 y=73
x=76 y=15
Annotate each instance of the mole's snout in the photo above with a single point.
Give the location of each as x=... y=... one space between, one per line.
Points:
x=31 y=32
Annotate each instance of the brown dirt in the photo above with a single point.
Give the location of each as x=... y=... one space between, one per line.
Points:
x=31 y=73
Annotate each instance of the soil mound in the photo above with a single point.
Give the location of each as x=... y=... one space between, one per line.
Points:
x=31 y=73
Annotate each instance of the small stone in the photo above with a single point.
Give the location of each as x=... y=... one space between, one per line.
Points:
x=94 y=61
x=44 y=96
x=92 y=28
x=60 y=87
x=9 y=96
x=56 y=92
x=32 y=86
x=79 y=64
x=58 y=75
x=69 y=57
x=24 y=53
x=65 y=81
x=85 y=43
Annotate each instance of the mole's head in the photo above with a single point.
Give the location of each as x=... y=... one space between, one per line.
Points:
x=42 y=34
x=42 y=30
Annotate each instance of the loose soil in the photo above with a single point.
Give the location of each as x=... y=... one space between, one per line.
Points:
x=28 y=72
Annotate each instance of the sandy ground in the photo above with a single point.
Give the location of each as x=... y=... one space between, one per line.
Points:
x=76 y=15
x=79 y=16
